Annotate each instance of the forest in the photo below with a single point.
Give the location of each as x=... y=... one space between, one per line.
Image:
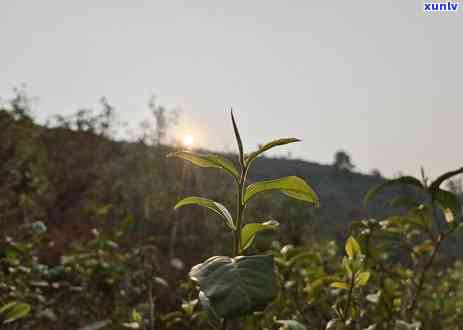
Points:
x=99 y=232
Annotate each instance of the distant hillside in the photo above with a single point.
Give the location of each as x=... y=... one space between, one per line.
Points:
x=68 y=176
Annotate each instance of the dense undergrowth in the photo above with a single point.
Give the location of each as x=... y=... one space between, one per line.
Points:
x=92 y=244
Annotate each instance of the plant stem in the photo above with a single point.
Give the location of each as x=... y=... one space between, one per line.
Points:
x=440 y=237
x=239 y=210
x=349 y=297
x=425 y=269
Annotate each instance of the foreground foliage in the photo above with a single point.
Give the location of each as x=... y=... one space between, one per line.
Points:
x=393 y=272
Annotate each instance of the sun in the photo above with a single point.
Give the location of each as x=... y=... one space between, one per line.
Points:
x=188 y=141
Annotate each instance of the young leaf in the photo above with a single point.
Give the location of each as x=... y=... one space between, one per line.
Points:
x=407 y=180
x=449 y=204
x=291 y=186
x=207 y=161
x=436 y=183
x=16 y=311
x=238 y=139
x=250 y=230
x=339 y=285
x=362 y=279
x=211 y=205
x=352 y=247
x=268 y=146
x=7 y=306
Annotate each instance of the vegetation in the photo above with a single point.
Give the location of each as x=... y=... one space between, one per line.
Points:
x=90 y=238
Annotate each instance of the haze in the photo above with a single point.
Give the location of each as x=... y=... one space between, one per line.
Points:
x=381 y=80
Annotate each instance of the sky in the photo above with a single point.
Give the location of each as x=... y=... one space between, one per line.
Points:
x=379 y=79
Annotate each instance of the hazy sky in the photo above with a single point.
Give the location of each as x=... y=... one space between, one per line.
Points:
x=380 y=79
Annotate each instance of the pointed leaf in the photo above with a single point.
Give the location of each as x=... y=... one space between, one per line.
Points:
x=339 y=285
x=436 y=183
x=207 y=161
x=362 y=278
x=407 y=180
x=238 y=139
x=237 y=286
x=211 y=205
x=352 y=248
x=268 y=146
x=7 y=306
x=449 y=203
x=16 y=311
x=291 y=186
x=250 y=230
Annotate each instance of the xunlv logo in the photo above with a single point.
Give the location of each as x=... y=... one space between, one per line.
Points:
x=440 y=6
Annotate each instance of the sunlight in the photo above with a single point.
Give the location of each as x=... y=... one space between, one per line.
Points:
x=188 y=141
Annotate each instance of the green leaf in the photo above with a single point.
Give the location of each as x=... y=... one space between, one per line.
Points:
x=136 y=316
x=207 y=161
x=335 y=324
x=339 y=285
x=449 y=203
x=402 y=325
x=362 y=278
x=404 y=201
x=352 y=248
x=436 y=183
x=14 y=311
x=7 y=306
x=236 y=286
x=290 y=325
x=407 y=180
x=250 y=230
x=238 y=139
x=268 y=146
x=211 y=205
x=291 y=186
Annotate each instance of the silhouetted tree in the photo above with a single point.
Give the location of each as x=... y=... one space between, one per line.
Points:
x=342 y=161
x=376 y=173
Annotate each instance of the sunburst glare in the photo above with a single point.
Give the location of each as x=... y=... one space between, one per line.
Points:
x=188 y=141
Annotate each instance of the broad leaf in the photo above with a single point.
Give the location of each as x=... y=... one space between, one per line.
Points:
x=250 y=230
x=211 y=205
x=404 y=180
x=268 y=146
x=238 y=139
x=14 y=311
x=352 y=248
x=404 y=201
x=436 y=183
x=206 y=305
x=207 y=161
x=449 y=203
x=291 y=186
x=236 y=286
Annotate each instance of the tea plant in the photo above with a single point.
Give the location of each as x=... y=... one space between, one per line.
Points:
x=355 y=277
x=236 y=286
